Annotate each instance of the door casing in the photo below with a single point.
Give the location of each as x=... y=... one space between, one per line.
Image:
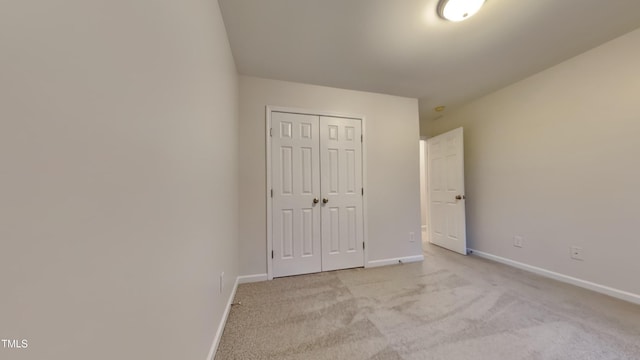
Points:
x=268 y=110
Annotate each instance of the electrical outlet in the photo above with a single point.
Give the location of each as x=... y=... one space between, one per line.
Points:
x=518 y=241
x=412 y=237
x=222 y=282
x=576 y=253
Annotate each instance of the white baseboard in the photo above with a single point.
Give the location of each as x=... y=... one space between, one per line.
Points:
x=244 y=279
x=620 y=294
x=393 y=261
x=223 y=321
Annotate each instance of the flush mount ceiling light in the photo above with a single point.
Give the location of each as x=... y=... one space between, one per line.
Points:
x=458 y=10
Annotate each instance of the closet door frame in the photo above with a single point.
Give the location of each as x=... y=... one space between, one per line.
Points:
x=269 y=200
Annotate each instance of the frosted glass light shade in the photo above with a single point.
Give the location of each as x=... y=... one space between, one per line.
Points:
x=458 y=10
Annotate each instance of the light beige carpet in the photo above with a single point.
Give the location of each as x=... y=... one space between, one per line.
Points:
x=449 y=307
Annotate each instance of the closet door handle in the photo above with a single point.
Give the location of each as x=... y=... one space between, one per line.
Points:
x=325 y=200
x=315 y=200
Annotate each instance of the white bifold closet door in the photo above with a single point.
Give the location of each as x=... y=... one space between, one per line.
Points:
x=317 y=215
x=341 y=160
x=295 y=172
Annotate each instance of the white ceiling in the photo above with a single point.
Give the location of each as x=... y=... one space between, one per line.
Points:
x=401 y=47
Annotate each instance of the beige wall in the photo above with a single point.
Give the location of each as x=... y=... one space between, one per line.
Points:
x=555 y=158
x=118 y=173
x=392 y=133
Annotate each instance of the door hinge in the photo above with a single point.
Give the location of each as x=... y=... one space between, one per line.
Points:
x=363 y=245
x=362 y=191
x=361 y=138
x=271 y=192
x=272 y=254
x=271 y=132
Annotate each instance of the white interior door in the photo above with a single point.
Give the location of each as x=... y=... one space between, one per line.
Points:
x=295 y=176
x=445 y=175
x=424 y=203
x=342 y=212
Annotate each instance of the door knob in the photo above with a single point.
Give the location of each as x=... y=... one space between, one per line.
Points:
x=315 y=200
x=325 y=200
x=460 y=197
